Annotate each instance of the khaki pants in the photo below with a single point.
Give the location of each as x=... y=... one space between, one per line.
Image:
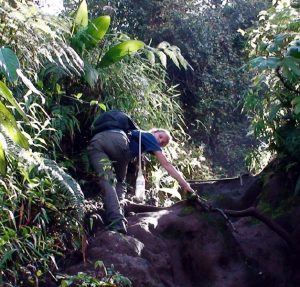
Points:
x=109 y=155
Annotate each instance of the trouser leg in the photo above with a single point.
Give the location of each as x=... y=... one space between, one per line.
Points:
x=102 y=165
x=115 y=147
x=121 y=171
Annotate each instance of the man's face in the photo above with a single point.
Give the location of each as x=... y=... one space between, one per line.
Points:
x=162 y=138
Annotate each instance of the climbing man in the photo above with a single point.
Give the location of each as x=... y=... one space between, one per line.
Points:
x=117 y=148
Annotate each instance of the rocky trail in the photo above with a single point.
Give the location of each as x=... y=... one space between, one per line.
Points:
x=185 y=246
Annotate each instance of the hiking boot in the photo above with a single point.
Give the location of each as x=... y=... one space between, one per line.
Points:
x=119 y=226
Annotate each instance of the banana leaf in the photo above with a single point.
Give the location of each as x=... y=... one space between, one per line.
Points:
x=120 y=51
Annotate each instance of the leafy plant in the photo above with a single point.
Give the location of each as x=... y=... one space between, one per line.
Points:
x=272 y=102
x=108 y=277
x=205 y=33
x=41 y=206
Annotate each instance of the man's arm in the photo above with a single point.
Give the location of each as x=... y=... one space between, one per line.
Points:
x=172 y=171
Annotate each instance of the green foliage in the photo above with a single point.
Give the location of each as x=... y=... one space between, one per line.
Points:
x=8 y=121
x=205 y=32
x=273 y=101
x=9 y=125
x=48 y=109
x=163 y=50
x=7 y=95
x=118 y=52
x=9 y=64
x=3 y=165
x=91 y=35
x=81 y=15
x=36 y=37
x=41 y=206
x=103 y=277
x=97 y=28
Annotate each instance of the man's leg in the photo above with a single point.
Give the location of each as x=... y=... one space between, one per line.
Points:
x=102 y=165
x=121 y=171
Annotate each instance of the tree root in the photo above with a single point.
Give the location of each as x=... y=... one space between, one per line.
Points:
x=204 y=205
x=252 y=212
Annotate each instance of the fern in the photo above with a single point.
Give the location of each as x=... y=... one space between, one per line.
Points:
x=66 y=184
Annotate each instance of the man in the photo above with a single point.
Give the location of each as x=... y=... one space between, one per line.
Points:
x=116 y=148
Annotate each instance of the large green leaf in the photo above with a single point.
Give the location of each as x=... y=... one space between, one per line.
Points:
x=7 y=94
x=96 y=30
x=265 y=63
x=9 y=124
x=120 y=51
x=81 y=15
x=9 y=64
x=2 y=160
x=91 y=35
x=292 y=64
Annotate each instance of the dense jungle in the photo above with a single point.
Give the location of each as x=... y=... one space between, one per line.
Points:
x=223 y=76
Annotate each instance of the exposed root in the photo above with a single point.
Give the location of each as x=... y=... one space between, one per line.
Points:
x=204 y=205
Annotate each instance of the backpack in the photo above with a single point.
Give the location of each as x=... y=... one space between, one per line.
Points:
x=113 y=119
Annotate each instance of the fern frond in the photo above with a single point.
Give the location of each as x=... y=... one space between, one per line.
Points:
x=66 y=184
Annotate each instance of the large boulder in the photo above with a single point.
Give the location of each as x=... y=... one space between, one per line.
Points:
x=177 y=246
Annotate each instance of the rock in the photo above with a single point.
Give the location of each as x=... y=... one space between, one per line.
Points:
x=173 y=247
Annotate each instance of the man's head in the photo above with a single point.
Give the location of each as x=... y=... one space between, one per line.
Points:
x=162 y=136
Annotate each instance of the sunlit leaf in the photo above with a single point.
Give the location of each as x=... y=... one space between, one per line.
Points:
x=3 y=165
x=81 y=15
x=163 y=58
x=173 y=57
x=183 y=62
x=120 y=51
x=9 y=124
x=27 y=82
x=54 y=261
x=90 y=36
x=163 y=45
x=9 y=64
x=7 y=94
x=96 y=30
x=150 y=56
x=12 y=219
x=102 y=106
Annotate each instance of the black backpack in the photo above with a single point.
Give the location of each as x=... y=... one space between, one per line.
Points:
x=111 y=120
